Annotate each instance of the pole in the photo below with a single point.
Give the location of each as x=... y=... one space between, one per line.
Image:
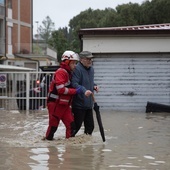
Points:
x=37 y=36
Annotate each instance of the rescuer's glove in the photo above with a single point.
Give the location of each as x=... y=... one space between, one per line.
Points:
x=79 y=90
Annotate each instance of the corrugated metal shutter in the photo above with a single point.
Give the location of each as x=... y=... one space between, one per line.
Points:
x=127 y=82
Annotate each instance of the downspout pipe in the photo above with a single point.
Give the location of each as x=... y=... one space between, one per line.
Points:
x=32 y=23
x=81 y=42
x=5 y=29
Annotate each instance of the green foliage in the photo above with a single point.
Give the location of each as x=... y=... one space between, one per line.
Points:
x=59 y=42
x=155 y=12
x=128 y=14
x=146 y=13
x=160 y=11
x=108 y=19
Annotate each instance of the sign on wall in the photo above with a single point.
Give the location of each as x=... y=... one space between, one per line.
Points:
x=3 y=80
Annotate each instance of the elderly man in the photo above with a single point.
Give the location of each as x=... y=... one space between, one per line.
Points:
x=82 y=105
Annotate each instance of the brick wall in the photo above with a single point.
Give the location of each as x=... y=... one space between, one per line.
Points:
x=26 y=11
x=22 y=25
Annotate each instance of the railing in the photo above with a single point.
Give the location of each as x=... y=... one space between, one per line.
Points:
x=21 y=90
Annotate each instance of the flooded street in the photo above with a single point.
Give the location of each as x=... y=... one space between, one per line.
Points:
x=133 y=141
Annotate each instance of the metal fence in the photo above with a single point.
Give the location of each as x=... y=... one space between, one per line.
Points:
x=24 y=90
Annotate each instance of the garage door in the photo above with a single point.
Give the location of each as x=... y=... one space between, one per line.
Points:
x=127 y=82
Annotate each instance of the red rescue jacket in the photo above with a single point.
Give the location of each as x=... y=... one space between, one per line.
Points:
x=60 y=86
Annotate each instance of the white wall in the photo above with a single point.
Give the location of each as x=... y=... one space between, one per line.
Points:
x=129 y=44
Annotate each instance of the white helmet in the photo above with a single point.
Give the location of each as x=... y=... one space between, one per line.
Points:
x=70 y=55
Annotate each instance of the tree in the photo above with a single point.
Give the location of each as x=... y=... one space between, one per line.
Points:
x=108 y=19
x=46 y=29
x=128 y=14
x=160 y=11
x=59 y=42
x=146 y=13
x=155 y=12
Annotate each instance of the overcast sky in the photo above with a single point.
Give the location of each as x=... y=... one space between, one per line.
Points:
x=61 y=11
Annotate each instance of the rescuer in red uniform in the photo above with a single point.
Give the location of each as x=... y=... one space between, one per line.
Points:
x=60 y=96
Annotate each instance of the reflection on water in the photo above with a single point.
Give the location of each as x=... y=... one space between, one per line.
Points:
x=133 y=141
x=68 y=157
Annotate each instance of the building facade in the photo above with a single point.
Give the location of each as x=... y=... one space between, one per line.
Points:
x=132 y=65
x=16 y=28
x=16 y=36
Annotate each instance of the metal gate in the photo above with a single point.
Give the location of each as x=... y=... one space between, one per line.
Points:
x=24 y=90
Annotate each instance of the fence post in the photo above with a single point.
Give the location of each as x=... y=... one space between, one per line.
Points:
x=27 y=90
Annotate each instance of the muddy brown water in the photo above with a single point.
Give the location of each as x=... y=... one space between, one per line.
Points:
x=134 y=141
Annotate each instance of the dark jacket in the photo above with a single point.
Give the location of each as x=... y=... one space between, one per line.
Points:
x=83 y=77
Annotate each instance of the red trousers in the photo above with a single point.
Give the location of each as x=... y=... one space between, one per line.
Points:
x=59 y=112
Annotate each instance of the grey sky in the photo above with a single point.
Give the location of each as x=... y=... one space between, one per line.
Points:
x=61 y=11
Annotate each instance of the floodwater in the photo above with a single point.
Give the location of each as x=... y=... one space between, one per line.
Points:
x=134 y=141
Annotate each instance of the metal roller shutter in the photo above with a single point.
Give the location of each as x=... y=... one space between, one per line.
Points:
x=127 y=82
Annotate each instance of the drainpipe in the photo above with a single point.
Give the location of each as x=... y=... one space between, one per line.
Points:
x=32 y=23
x=5 y=29
x=81 y=42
